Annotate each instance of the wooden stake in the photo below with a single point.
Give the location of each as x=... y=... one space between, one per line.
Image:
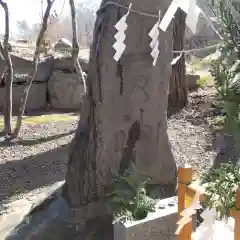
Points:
x=237 y=217
x=185 y=175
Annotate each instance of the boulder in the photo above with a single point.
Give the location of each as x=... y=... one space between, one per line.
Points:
x=25 y=41
x=66 y=64
x=22 y=69
x=191 y=80
x=63 y=44
x=65 y=91
x=36 y=97
x=44 y=71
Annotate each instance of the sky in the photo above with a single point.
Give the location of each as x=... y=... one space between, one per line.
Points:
x=30 y=10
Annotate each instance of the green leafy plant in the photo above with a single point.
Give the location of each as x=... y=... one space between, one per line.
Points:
x=221 y=186
x=128 y=199
x=226 y=69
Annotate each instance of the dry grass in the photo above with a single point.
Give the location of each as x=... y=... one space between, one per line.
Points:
x=45 y=118
x=205 y=80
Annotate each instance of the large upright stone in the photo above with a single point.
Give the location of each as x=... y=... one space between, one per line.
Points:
x=65 y=91
x=36 y=97
x=62 y=45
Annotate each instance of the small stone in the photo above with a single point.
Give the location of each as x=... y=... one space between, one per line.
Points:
x=171 y=204
x=161 y=206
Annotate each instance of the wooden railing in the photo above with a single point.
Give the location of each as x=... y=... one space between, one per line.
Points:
x=187 y=190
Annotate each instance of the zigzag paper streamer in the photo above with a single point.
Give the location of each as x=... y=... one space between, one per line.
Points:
x=176 y=59
x=120 y=36
x=206 y=230
x=154 y=35
x=212 y=229
x=193 y=16
x=189 y=7
x=172 y=9
x=188 y=212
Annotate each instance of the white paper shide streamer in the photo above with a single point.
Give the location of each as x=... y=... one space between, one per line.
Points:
x=176 y=59
x=192 y=15
x=154 y=35
x=189 y=7
x=120 y=36
x=206 y=230
x=212 y=229
x=188 y=212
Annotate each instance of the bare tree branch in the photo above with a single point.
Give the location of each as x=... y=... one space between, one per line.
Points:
x=8 y=74
x=1 y=57
x=1 y=50
x=35 y=67
x=5 y=7
x=75 y=46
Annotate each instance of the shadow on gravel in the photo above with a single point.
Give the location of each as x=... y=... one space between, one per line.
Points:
x=52 y=219
x=38 y=112
x=43 y=140
x=43 y=169
x=31 y=142
x=228 y=150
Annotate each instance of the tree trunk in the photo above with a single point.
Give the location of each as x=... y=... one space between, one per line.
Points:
x=75 y=46
x=123 y=117
x=178 y=94
x=35 y=67
x=8 y=74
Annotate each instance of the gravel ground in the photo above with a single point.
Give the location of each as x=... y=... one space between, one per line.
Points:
x=38 y=160
x=28 y=169
x=191 y=132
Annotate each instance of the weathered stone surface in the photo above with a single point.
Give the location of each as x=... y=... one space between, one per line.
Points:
x=12 y=221
x=50 y=223
x=22 y=69
x=63 y=44
x=159 y=225
x=45 y=69
x=65 y=91
x=129 y=111
x=36 y=97
x=50 y=219
x=191 y=80
x=66 y=64
x=23 y=41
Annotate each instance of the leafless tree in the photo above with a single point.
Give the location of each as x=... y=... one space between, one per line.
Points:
x=59 y=25
x=2 y=74
x=36 y=58
x=75 y=45
x=8 y=73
